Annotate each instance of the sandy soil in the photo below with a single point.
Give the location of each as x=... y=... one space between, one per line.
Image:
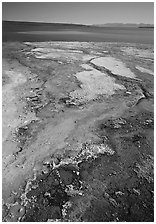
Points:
x=145 y=70
x=94 y=83
x=77 y=132
x=143 y=53
x=115 y=66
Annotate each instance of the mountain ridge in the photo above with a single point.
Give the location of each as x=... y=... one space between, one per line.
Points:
x=125 y=25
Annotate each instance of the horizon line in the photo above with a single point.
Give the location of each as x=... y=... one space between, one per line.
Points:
x=77 y=23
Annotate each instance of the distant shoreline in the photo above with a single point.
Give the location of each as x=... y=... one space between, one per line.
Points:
x=147 y=27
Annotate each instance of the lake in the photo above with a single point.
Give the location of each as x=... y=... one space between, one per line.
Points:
x=103 y=34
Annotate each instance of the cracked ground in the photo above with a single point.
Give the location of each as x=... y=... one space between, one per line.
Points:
x=78 y=132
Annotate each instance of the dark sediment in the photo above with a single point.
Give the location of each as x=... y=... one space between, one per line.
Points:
x=116 y=186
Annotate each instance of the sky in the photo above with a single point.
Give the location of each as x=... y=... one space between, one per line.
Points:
x=79 y=12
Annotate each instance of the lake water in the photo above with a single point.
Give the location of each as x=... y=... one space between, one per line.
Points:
x=107 y=34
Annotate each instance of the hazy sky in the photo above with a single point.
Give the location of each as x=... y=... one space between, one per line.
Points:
x=80 y=12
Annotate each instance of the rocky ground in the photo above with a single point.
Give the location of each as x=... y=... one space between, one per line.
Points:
x=78 y=132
